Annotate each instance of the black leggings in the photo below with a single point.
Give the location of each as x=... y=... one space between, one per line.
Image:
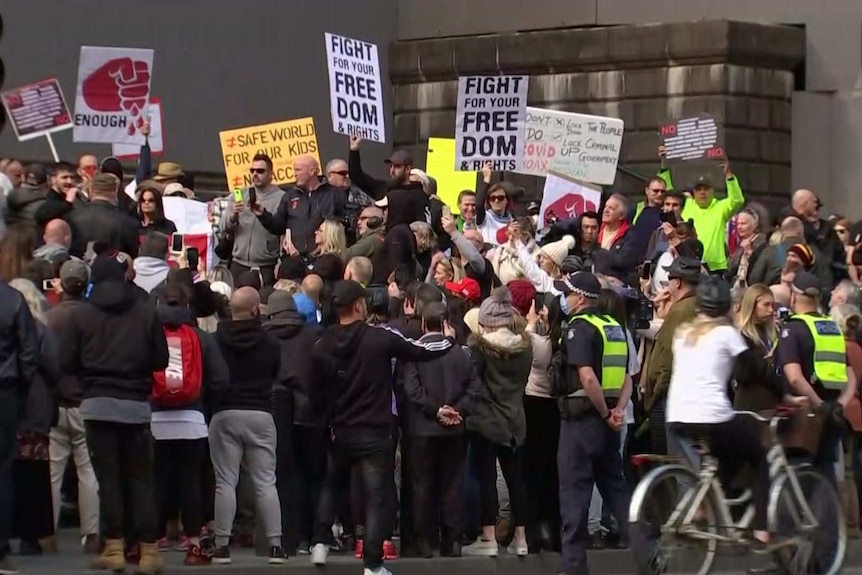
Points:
x=734 y=443
x=485 y=455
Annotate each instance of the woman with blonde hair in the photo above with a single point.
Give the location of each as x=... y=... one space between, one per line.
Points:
x=446 y=270
x=330 y=242
x=757 y=384
x=33 y=516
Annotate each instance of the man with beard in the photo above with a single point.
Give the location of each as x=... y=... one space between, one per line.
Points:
x=63 y=197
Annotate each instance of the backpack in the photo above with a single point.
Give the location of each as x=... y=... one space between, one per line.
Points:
x=180 y=384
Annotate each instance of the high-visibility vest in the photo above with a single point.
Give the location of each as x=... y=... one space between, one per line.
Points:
x=615 y=354
x=830 y=350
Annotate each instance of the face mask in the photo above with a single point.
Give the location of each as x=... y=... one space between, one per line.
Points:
x=564 y=304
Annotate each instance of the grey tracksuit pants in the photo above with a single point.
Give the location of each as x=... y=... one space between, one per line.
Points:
x=246 y=438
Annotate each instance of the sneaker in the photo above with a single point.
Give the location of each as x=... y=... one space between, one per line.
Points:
x=319 y=553
x=221 y=555
x=304 y=548
x=390 y=553
x=162 y=545
x=379 y=571
x=518 y=548
x=183 y=545
x=276 y=555
x=360 y=549
x=7 y=567
x=480 y=548
x=196 y=557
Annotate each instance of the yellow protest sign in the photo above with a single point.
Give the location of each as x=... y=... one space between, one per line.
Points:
x=282 y=142
x=439 y=164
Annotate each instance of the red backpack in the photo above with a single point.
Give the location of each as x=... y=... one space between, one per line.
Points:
x=180 y=384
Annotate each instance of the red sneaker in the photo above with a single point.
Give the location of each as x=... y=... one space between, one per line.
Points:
x=196 y=557
x=359 y=549
x=389 y=551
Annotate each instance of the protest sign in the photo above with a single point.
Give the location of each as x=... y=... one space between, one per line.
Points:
x=283 y=142
x=489 y=125
x=450 y=182
x=157 y=140
x=694 y=138
x=192 y=219
x=565 y=198
x=37 y=109
x=355 y=91
x=112 y=95
x=580 y=146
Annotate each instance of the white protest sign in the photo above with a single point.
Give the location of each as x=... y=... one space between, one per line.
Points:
x=580 y=146
x=190 y=216
x=489 y=125
x=112 y=95
x=355 y=91
x=156 y=139
x=565 y=198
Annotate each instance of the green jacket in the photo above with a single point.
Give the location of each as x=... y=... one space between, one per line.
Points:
x=661 y=359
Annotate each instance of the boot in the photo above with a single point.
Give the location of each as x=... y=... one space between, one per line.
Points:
x=112 y=558
x=151 y=561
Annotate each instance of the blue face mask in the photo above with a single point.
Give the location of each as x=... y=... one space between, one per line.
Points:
x=564 y=304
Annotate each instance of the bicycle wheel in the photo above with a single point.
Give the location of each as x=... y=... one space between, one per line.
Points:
x=822 y=544
x=658 y=549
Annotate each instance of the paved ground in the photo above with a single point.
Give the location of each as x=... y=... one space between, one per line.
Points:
x=71 y=560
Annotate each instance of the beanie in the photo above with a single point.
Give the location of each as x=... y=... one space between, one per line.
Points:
x=558 y=250
x=523 y=294
x=497 y=310
x=110 y=266
x=804 y=253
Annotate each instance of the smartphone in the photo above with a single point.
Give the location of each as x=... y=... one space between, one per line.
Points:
x=645 y=313
x=668 y=217
x=237 y=194
x=646 y=270
x=177 y=243
x=47 y=285
x=447 y=213
x=252 y=197
x=539 y=301
x=193 y=256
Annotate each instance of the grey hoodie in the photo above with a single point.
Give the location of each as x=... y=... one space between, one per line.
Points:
x=253 y=246
x=150 y=272
x=50 y=251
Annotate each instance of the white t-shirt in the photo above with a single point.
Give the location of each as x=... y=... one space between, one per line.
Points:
x=700 y=377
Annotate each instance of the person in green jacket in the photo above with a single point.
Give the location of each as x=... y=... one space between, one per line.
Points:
x=711 y=216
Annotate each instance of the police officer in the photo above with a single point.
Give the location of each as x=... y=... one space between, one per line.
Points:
x=813 y=358
x=595 y=390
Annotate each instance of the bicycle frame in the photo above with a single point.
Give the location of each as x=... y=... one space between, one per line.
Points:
x=682 y=519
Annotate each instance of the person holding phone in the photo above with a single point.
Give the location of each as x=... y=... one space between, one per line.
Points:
x=254 y=245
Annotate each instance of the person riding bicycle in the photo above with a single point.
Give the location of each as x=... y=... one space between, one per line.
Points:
x=698 y=404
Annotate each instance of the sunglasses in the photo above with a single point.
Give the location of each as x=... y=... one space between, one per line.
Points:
x=657 y=190
x=148 y=200
x=342 y=173
x=257 y=171
x=497 y=198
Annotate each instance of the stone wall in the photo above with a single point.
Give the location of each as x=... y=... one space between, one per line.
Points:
x=742 y=73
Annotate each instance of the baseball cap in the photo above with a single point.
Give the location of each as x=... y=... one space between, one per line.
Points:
x=685 y=268
x=384 y=203
x=582 y=283
x=346 y=293
x=36 y=174
x=703 y=181
x=468 y=288
x=400 y=158
x=112 y=165
x=806 y=283
x=279 y=302
x=74 y=269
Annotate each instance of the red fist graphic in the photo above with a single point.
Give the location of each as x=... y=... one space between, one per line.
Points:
x=119 y=84
x=569 y=206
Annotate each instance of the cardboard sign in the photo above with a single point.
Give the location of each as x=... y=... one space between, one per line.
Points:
x=283 y=142
x=112 y=95
x=37 y=109
x=355 y=91
x=438 y=165
x=489 y=125
x=695 y=138
x=128 y=152
x=565 y=198
x=580 y=146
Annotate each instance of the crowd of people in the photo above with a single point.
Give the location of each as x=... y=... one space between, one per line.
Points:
x=364 y=364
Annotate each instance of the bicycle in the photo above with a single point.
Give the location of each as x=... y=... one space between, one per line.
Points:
x=701 y=516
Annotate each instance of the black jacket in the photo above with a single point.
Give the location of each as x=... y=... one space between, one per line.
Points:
x=20 y=351
x=426 y=387
x=41 y=413
x=408 y=203
x=55 y=207
x=301 y=213
x=296 y=375
x=620 y=260
x=161 y=225
x=101 y=221
x=215 y=372
x=114 y=343
x=253 y=360
x=23 y=203
x=398 y=250
x=353 y=363
x=69 y=386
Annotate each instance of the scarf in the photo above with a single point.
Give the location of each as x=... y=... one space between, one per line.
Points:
x=607 y=243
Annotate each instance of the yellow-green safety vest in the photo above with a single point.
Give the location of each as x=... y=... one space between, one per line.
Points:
x=615 y=354
x=830 y=350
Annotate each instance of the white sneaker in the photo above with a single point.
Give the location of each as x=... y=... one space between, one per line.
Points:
x=518 y=548
x=319 y=552
x=480 y=548
x=379 y=571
